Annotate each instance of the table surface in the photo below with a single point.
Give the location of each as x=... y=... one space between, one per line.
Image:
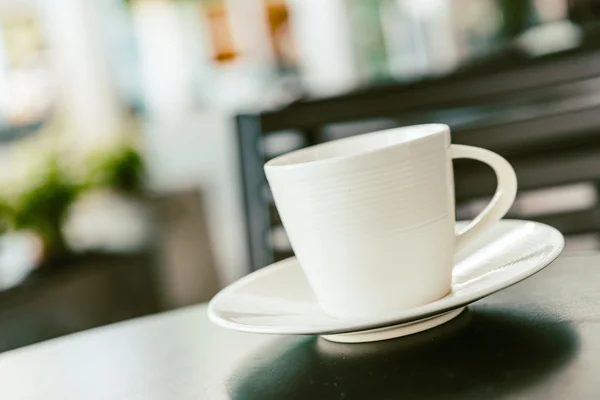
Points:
x=539 y=339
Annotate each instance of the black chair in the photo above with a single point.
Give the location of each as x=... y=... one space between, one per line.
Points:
x=542 y=115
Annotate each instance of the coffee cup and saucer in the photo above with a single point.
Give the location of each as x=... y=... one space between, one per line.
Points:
x=378 y=253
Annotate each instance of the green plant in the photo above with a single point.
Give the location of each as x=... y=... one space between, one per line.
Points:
x=121 y=170
x=42 y=208
x=43 y=205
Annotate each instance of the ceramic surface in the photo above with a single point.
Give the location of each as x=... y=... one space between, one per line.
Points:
x=279 y=300
x=371 y=217
x=394 y=331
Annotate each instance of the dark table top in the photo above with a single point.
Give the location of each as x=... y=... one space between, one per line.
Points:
x=539 y=339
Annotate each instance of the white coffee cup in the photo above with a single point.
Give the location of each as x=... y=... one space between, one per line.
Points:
x=371 y=217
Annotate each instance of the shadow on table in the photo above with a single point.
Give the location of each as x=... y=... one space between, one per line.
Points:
x=481 y=354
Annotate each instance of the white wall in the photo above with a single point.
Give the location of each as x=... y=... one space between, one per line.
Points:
x=200 y=151
x=79 y=60
x=189 y=143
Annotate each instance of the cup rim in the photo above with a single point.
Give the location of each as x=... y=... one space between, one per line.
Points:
x=283 y=161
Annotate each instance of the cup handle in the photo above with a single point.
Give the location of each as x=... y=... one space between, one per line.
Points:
x=503 y=198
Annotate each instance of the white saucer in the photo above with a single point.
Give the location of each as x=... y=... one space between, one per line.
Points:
x=278 y=300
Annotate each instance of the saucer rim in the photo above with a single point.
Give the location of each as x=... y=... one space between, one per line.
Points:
x=348 y=325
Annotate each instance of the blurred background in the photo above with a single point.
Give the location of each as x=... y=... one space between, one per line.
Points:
x=133 y=133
